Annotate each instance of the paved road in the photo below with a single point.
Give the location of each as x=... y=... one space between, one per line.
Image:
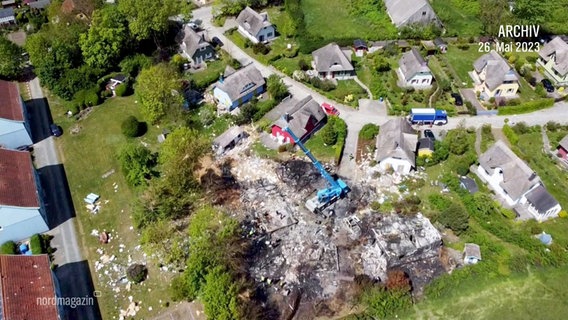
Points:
x=72 y=271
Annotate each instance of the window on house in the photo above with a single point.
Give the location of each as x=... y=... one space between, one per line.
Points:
x=248 y=86
x=268 y=35
x=511 y=90
x=423 y=13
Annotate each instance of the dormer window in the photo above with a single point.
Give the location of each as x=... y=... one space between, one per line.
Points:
x=247 y=87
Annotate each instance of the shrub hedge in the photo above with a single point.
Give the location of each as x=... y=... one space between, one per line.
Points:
x=8 y=247
x=527 y=107
x=131 y=127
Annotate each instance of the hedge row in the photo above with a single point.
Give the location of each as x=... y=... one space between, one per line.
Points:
x=510 y=134
x=527 y=107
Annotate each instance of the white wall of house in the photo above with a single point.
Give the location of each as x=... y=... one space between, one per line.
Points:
x=551 y=73
x=17 y=223
x=222 y=97
x=398 y=165
x=419 y=80
x=541 y=216
x=265 y=34
x=14 y=134
x=493 y=181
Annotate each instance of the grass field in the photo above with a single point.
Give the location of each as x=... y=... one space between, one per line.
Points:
x=462 y=61
x=460 y=17
x=331 y=19
x=87 y=156
x=539 y=294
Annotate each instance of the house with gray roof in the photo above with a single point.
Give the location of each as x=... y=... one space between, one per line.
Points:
x=238 y=88
x=7 y=16
x=411 y=12
x=553 y=57
x=255 y=26
x=413 y=70
x=493 y=77
x=304 y=117
x=195 y=47
x=330 y=62
x=515 y=182
x=396 y=146
x=228 y=139
x=40 y=4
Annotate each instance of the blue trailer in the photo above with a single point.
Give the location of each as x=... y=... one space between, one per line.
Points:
x=428 y=116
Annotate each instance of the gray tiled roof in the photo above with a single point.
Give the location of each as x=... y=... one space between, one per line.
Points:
x=331 y=58
x=228 y=136
x=252 y=21
x=564 y=142
x=518 y=177
x=426 y=143
x=236 y=84
x=300 y=115
x=401 y=12
x=7 y=12
x=40 y=4
x=541 y=199
x=558 y=47
x=412 y=63
x=397 y=139
x=193 y=41
x=497 y=69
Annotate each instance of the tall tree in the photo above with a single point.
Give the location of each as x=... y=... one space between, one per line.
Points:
x=106 y=40
x=530 y=12
x=10 y=59
x=148 y=19
x=276 y=88
x=494 y=14
x=136 y=163
x=158 y=89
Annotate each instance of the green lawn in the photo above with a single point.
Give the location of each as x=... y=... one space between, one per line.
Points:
x=289 y=65
x=461 y=61
x=460 y=17
x=87 y=156
x=205 y=77
x=321 y=151
x=331 y=19
x=555 y=179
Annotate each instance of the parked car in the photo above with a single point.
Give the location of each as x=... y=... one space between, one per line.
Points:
x=458 y=98
x=329 y=109
x=55 y=130
x=217 y=42
x=547 y=85
x=429 y=134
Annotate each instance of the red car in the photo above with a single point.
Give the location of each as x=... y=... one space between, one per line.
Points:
x=329 y=109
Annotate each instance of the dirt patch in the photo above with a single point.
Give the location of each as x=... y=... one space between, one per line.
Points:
x=365 y=148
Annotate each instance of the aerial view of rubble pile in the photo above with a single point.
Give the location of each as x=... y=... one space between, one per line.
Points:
x=302 y=257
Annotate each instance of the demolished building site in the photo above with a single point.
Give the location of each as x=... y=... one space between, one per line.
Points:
x=302 y=259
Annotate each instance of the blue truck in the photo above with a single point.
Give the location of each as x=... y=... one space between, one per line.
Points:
x=428 y=116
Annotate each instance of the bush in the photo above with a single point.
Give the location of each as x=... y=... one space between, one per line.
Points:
x=510 y=134
x=37 y=245
x=455 y=217
x=303 y=65
x=131 y=127
x=136 y=273
x=121 y=89
x=260 y=48
x=527 y=107
x=8 y=247
x=329 y=134
x=375 y=206
x=563 y=214
x=369 y=131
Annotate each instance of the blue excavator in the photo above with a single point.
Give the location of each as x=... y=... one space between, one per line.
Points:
x=336 y=188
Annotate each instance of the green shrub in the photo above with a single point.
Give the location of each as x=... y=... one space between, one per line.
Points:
x=527 y=107
x=563 y=214
x=510 y=134
x=328 y=134
x=283 y=147
x=455 y=217
x=375 y=206
x=136 y=273
x=439 y=202
x=121 y=90
x=369 y=131
x=303 y=65
x=339 y=151
x=131 y=127
x=260 y=48
x=8 y=247
x=37 y=245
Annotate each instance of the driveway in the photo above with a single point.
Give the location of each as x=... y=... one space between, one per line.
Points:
x=72 y=271
x=469 y=95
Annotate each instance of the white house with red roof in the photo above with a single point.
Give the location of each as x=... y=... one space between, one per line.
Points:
x=22 y=211
x=14 y=127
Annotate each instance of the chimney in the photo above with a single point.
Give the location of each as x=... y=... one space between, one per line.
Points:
x=221 y=77
x=533 y=175
x=264 y=16
x=286 y=117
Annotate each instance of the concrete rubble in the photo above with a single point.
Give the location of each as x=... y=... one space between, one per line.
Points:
x=298 y=250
